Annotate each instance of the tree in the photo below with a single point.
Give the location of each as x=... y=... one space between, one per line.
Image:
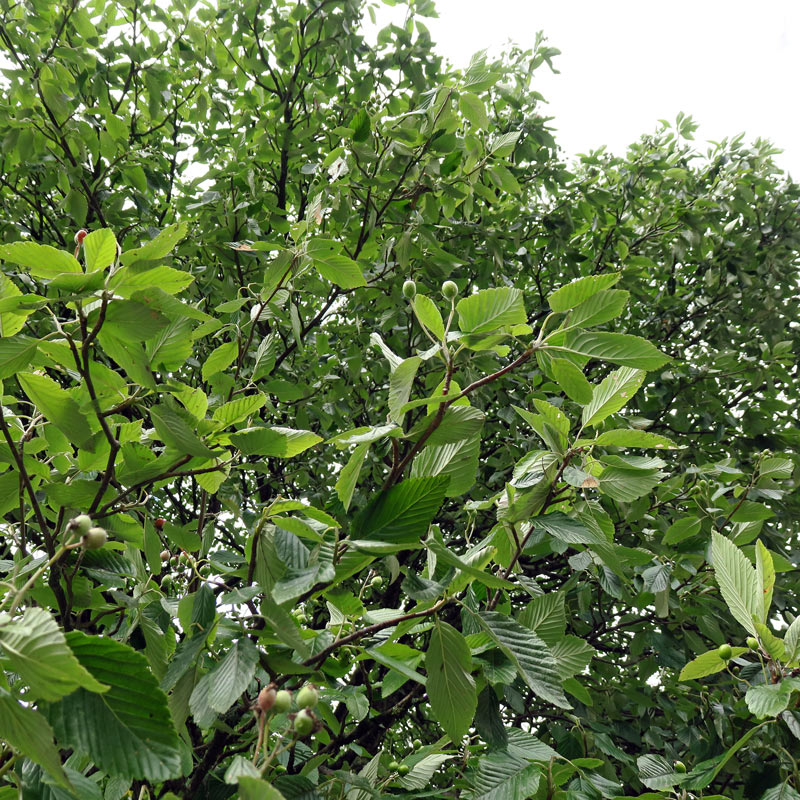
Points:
x=484 y=457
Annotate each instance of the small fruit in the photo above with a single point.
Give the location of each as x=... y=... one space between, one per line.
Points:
x=174 y=561
x=376 y=582
x=184 y=558
x=449 y=290
x=81 y=523
x=283 y=701
x=205 y=570
x=159 y=524
x=409 y=290
x=80 y=236
x=394 y=766
x=307 y=697
x=679 y=766
x=417 y=744
x=266 y=698
x=167 y=584
x=724 y=652
x=164 y=555
x=403 y=769
x=303 y=722
x=94 y=538
x=752 y=643
x=280 y=768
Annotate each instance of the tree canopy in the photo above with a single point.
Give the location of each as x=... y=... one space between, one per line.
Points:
x=356 y=443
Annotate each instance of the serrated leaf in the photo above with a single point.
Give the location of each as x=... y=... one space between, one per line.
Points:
x=57 y=406
x=42 y=260
x=580 y=290
x=28 y=732
x=490 y=309
x=38 y=652
x=223 y=685
x=15 y=354
x=572 y=380
x=175 y=432
x=503 y=776
x=770 y=700
x=429 y=315
x=707 y=663
x=451 y=689
x=456 y=460
x=601 y=307
x=403 y=513
x=765 y=571
x=99 y=249
x=546 y=616
x=219 y=359
x=239 y=409
x=656 y=772
x=618 y=348
x=737 y=581
x=791 y=642
x=126 y=731
x=348 y=477
x=533 y=660
x=612 y=394
x=339 y=269
x=276 y=441
x=157 y=248
x=400 y=382
x=630 y=437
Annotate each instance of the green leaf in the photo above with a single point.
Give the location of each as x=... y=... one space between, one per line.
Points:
x=42 y=260
x=255 y=789
x=126 y=731
x=546 y=617
x=28 y=732
x=533 y=660
x=38 y=652
x=791 y=642
x=348 y=477
x=451 y=689
x=630 y=437
x=612 y=394
x=599 y=308
x=482 y=556
x=490 y=309
x=579 y=291
x=12 y=312
x=682 y=529
x=422 y=770
x=132 y=321
x=772 y=699
x=400 y=383
x=626 y=485
x=569 y=530
x=339 y=269
x=572 y=380
x=239 y=409
x=474 y=109
x=275 y=441
x=738 y=582
x=360 y=125
x=765 y=570
x=429 y=315
x=219 y=359
x=57 y=406
x=175 y=432
x=503 y=776
x=402 y=514
x=157 y=248
x=618 y=348
x=224 y=684
x=15 y=355
x=99 y=249
x=656 y=772
x=456 y=460
x=708 y=663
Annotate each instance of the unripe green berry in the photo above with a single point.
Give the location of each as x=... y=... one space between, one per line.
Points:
x=403 y=769
x=449 y=290
x=724 y=652
x=409 y=290
x=283 y=701
x=81 y=523
x=205 y=570
x=303 y=722
x=167 y=583
x=752 y=643
x=280 y=768
x=679 y=766
x=394 y=765
x=94 y=538
x=307 y=697
x=376 y=582
x=417 y=744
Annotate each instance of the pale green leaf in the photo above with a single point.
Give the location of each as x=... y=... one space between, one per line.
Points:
x=580 y=290
x=490 y=309
x=400 y=382
x=737 y=581
x=572 y=380
x=275 y=441
x=99 y=249
x=612 y=394
x=348 y=477
x=42 y=260
x=707 y=663
x=429 y=315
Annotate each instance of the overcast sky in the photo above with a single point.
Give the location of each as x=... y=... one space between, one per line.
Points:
x=624 y=64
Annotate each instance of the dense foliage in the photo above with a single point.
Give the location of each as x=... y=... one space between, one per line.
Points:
x=356 y=384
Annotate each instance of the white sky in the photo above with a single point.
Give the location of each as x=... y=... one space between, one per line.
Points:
x=732 y=65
